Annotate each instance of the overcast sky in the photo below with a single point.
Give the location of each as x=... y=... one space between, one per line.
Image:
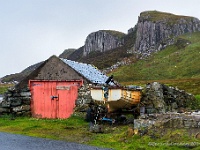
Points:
x=33 y=30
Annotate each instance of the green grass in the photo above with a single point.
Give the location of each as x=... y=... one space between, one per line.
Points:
x=158 y=16
x=175 y=62
x=117 y=34
x=75 y=129
x=62 y=129
x=4 y=87
x=198 y=100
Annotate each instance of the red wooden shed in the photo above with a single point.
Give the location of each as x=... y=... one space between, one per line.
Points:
x=53 y=99
x=54 y=86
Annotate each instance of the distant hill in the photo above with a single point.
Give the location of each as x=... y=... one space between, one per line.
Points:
x=67 y=53
x=154 y=47
x=21 y=75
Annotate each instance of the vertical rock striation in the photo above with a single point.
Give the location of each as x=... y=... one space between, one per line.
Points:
x=156 y=30
x=102 y=41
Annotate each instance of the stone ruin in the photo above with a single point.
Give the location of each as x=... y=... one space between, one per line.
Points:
x=169 y=120
x=159 y=98
x=167 y=107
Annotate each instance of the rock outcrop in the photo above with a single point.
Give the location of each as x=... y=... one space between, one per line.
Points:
x=156 y=30
x=102 y=41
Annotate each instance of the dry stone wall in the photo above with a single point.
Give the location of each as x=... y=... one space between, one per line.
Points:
x=84 y=98
x=84 y=95
x=16 y=102
x=169 y=120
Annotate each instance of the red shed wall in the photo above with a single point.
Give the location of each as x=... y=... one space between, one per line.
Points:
x=53 y=99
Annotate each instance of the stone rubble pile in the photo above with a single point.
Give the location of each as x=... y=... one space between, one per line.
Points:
x=166 y=107
x=125 y=61
x=159 y=98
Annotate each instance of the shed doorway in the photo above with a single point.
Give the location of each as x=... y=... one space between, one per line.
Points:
x=53 y=99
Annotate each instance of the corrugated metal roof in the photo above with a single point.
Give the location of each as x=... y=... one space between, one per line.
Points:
x=88 y=71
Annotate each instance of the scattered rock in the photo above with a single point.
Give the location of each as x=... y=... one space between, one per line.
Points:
x=130 y=132
x=96 y=128
x=198 y=135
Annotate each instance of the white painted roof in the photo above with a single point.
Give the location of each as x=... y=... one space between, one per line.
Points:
x=88 y=71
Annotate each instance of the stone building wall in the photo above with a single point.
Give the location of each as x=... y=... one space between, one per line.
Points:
x=16 y=102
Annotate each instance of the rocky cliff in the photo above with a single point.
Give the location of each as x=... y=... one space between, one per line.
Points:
x=102 y=41
x=156 y=30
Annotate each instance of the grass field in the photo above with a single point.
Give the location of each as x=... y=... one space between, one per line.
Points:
x=75 y=129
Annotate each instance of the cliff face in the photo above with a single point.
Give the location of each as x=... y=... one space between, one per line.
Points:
x=102 y=41
x=156 y=30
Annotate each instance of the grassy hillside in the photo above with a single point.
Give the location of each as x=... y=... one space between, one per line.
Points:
x=21 y=75
x=66 y=53
x=179 y=61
